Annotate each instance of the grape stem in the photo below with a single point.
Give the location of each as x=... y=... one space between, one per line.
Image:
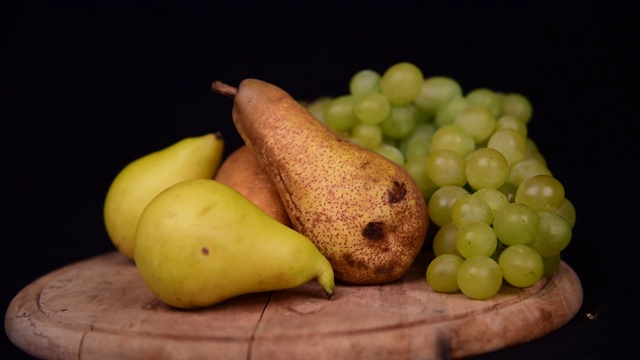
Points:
x=224 y=89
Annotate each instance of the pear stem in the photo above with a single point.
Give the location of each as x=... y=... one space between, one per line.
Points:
x=224 y=89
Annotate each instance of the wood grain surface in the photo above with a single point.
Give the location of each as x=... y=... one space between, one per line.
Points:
x=99 y=308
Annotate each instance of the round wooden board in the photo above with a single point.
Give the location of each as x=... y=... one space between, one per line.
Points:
x=99 y=308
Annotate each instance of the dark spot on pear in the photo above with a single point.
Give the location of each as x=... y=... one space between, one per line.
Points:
x=387 y=268
x=353 y=263
x=205 y=251
x=397 y=192
x=374 y=231
x=348 y=258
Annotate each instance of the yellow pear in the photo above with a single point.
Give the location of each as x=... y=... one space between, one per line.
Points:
x=365 y=213
x=143 y=178
x=200 y=242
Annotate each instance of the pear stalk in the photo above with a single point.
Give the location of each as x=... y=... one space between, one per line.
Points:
x=224 y=89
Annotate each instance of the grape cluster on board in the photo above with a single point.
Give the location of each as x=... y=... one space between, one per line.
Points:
x=500 y=214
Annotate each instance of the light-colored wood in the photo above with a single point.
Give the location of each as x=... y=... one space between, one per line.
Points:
x=99 y=308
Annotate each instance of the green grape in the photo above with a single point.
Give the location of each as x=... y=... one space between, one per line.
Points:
x=551 y=264
x=390 y=152
x=442 y=273
x=317 y=106
x=355 y=140
x=417 y=147
x=567 y=211
x=424 y=130
x=477 y=122
x=418 y=143
x=541 y=192
x=510 y=143
x=448 y=111
x=468 y=208
x=367 y=135
x=532 y=152
x=400 y=122
x=476 y=238
x=401 y=83
x=511 y=122
x=417 y=168
x=441 y=202
x=452 y=137
x=339 y=114
x=537 y=156
x=517 y=105
x=372 y=107
x=364 y=81
x=494 y=197
x=444 y=240
x=435 y=91
x=553 y=235
x=525 y=169
x=479 y=277
x=521 y=265
x=486 y=168
x=446 y=167
x=516 y=223
x=531 y=146
x=486 y=98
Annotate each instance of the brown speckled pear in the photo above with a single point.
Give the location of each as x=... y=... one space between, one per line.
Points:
x=363 y=212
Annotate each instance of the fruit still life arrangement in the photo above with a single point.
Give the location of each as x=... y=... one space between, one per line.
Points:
x=348 y=188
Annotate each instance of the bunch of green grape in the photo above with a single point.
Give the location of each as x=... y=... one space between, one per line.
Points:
x=499 y=213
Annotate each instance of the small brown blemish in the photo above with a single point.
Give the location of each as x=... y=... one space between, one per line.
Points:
x=205 y=251
x=352 y=263
x=386 y=269
x=397 y=192
x=374 y=231
x=348 y=258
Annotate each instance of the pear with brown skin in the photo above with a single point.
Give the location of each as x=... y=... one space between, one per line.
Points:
x=363 y=212
x=242 y=172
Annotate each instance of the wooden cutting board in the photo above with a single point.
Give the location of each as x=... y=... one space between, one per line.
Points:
x=99 y=308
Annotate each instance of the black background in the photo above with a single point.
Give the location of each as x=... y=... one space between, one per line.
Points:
x=90 y=86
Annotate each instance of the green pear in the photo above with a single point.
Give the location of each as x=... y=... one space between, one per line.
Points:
x=200 y=242
x=143 y=178
x=365 y=213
